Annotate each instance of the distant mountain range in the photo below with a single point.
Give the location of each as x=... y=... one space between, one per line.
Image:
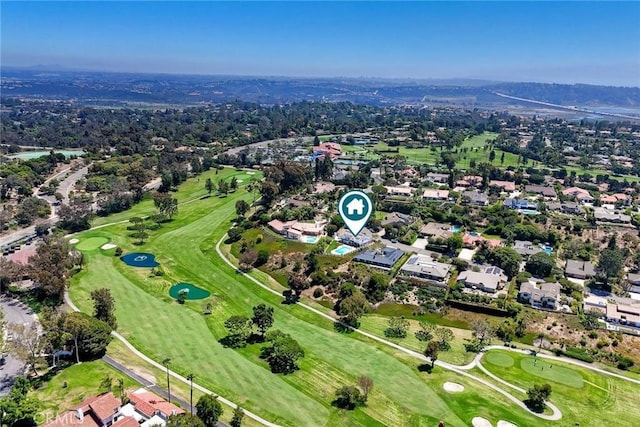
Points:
x=101 y=88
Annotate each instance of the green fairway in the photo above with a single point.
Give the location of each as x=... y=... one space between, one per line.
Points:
x=499 y=359
x=160 y=327
x=193 y=292
x=91 y=243
x=583 y=396
x=548 y=371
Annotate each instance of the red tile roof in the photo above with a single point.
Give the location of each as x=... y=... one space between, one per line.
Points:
x=126 y=422
x=147 y=403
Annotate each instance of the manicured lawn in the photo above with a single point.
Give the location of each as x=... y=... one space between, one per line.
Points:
x=160 y=327
x=72 y=385
x=499 y=359
x=582 y=395
x=91 y=243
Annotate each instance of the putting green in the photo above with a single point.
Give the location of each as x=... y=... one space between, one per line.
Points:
x=500 y=359
x=193 y=292
x=91 y=243
x=551 y=372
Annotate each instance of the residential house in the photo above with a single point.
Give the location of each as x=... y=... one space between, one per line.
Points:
x=96 y=411
x=526 y=248
x=519 y=204
x=507 y=186
x=384 y=258
x=363 y=238
x=150 y=408
x=634 y=282
x=435 y=194
x=579 y=193
x=405 y=191
x=423 y=267
x=540 y=190
x=623 y=314
x=579 y=269
x=439 y=178
x=610 y=215
x=607 y=199
x=298 y=229
x=491 y=279
x=397 y=218
x=436 y=229
x=476 y=198
x=545 y=295
x=569 y=208
x=330 y=149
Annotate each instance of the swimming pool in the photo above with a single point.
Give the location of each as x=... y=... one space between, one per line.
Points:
x=455 y=228
x=529 y=211
x=548 y=249
x=310 y=239
x=343 y=250
x=473 y=234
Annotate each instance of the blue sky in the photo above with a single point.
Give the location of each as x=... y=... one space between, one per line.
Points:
x=589 y=42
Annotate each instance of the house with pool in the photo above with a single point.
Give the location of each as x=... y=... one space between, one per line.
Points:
x=307 y=232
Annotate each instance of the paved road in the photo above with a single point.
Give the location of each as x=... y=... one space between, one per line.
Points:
x=14 y=312
x=65 y=188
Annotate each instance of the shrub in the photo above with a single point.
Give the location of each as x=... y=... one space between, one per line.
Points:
x=593 y=335
x=578 y=353
x=602 y=343
x=624 y=363
x=318 y=293
x=118 y=251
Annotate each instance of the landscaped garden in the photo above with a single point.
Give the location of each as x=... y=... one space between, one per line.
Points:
x=161 y=328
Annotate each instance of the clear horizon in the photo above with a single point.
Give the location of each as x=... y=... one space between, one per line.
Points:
x=574 y=42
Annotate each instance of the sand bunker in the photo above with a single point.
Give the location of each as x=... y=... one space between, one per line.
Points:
x=453 y=387
x=108 y=246
x=74 y=241
x=480 y=422
x=503 y=423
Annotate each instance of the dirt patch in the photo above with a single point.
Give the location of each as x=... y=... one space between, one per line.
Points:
x=453 y=387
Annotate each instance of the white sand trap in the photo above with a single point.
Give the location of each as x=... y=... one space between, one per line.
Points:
x=251 y=173
x=239 y=181
x=108 y=246
x=74 y=241
x=503 y=423
x=480 y=422
x=453 y=387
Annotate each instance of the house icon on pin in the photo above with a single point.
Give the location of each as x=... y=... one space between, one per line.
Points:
x=355 y=207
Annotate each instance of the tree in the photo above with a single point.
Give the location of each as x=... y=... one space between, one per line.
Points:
x=208 y=185
x=103 y=307
x=282 y=353
x=165 y=362
x=376 y=288
x=167 y=206
x=482 y=330
x=77 y=215
x=17 y=409
x=28 y=344
x=106 y=384
x=349 y=397
x=366 y=385
x=209 y=410
x=234 y=184
x=297 y=283
x=241 y=207
x=426 y=331
x=507 y=259
x=610 y=263
x=397 y=328
x=247 y=260
x=90 y=335
x=268 y=192
x=445 y=336
x=537 y=395
x=353 y=307
x=238 y=415
x=239 y=328
x=540 y=264
x=492 y=156
x=223 y=187
x=51 y=266
x=454 y=243
x=262 y=318
x=184 y=421
x=431 y=351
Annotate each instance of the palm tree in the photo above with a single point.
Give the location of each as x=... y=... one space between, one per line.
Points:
x=166 y=362
x=190 y=378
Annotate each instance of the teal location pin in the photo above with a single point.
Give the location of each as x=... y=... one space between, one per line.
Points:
x=355 y=208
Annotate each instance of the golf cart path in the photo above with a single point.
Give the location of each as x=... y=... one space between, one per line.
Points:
x=556 y=414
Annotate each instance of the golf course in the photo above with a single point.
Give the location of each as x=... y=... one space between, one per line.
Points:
x=151 y=319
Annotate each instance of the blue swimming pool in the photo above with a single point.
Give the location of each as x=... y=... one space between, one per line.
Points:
x=473 y=234
x=343 y=250
x=455 y=228
x=310 y=239
x=529 y=211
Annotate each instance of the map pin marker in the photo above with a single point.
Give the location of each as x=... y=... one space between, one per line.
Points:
x=355 y=208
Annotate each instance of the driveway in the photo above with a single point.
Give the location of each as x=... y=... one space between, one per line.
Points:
x=14 y=312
